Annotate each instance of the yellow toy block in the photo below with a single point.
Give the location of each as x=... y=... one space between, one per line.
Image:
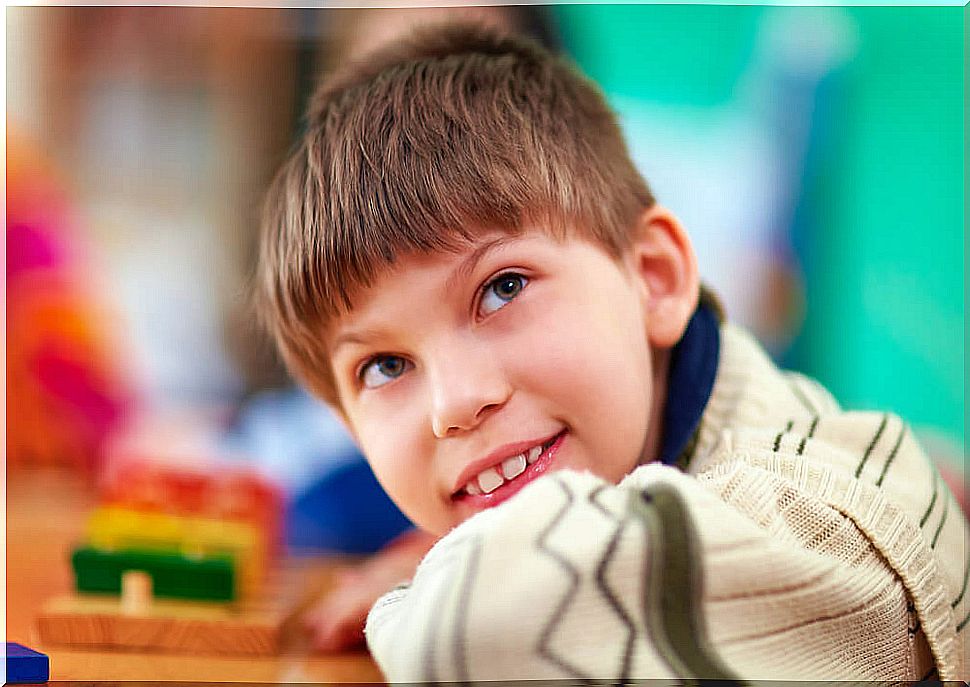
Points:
x=115 y=528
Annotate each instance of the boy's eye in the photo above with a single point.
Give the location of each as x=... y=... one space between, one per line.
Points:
x=383 y=369
x=500 y=291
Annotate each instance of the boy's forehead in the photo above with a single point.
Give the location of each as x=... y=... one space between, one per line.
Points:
x=445 y=267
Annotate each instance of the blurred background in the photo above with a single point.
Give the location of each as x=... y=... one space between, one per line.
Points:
x=816 y=156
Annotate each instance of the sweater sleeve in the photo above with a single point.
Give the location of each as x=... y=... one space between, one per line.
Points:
x=856 y=489
x=659 y=577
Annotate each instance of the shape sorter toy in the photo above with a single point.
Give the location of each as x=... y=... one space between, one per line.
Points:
x=176 y=559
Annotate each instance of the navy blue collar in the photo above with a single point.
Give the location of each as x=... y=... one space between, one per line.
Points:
x=693 y=365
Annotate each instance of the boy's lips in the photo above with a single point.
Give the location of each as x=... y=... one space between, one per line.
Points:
x=508 y=487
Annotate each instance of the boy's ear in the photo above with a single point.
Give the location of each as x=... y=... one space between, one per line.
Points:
x=662 y=260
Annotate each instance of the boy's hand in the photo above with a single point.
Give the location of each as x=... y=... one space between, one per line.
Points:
x=336 y=622
x=956 y=481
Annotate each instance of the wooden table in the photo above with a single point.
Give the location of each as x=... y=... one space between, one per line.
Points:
x=45 y=517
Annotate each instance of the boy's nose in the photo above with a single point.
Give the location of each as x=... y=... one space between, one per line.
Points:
x=466 y=389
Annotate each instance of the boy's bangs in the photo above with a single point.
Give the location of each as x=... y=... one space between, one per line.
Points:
x=365 y=214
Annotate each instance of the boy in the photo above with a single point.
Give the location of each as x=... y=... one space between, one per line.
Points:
x=461 y=259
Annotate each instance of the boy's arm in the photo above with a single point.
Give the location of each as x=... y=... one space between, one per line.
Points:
x=665 y=576
x=536 y=588
x=336 y=622
x=868 y=470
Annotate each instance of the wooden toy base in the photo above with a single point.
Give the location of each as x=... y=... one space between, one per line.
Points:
x=165 y=625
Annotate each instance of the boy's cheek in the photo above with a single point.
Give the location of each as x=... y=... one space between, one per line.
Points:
x=399 y=468
x=405 y=487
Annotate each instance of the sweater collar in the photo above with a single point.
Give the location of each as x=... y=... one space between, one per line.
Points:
x=693 y=366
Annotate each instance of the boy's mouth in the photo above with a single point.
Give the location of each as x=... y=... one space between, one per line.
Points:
x=494 y=484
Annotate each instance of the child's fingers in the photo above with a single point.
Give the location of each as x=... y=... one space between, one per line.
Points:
x=336 y=623
x=338 y=633
x=955 y=481
x=338 y=637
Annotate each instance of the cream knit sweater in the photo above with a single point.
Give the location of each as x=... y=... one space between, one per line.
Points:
x=803 y=543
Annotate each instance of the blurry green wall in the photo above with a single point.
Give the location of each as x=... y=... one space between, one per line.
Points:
x=882 y=204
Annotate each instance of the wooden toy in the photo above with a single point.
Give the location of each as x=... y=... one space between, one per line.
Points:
x=176 y=626
x=169 y=574
x=111 y=528
x=138 y=621
x=176 y=558
x=217 y=491
x=136 y=591
x=26 y=666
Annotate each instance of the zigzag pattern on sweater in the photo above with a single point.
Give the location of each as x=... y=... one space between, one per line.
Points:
x=573 y=576
x=611 y=598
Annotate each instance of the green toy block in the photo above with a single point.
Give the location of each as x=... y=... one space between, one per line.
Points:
x=210 y=578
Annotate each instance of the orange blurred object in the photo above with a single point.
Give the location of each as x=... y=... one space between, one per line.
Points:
x=65 y=395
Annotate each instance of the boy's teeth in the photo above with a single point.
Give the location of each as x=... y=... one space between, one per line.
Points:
x=489 y=480
x=514 y=466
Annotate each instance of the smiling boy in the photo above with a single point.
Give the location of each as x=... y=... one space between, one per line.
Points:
x=502 y=362
x=461 y=259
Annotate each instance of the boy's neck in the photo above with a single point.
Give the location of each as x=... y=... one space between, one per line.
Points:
x=661 y=372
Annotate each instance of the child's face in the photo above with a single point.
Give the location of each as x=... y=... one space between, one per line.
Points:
x=455 y=370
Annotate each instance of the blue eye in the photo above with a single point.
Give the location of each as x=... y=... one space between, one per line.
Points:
x=501 y=290
x=383 y=369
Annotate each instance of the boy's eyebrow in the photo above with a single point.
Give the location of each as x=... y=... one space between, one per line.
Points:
x=351 y=337
x=467 y=265
x=465 y=268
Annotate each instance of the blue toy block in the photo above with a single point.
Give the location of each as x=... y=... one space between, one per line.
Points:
x=26 y=666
